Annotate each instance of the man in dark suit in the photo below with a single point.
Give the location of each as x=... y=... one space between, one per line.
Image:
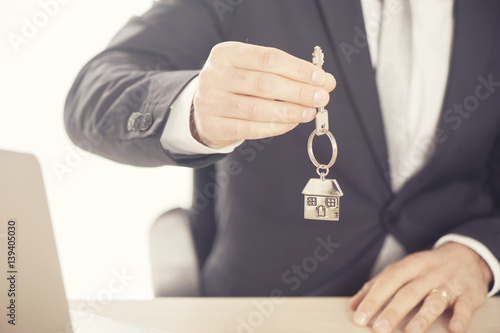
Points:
x=415 y=114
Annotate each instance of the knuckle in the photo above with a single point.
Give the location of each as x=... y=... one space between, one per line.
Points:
x=434 y=307
x=207 y=75
x=304 y=94
x=221 y=47
x=384 y=282
x=367 y=286
x=230 y=132
x=216 y=51
x=201 y=103
x=237 y=75
x=234 y=106
x=205 y=125
x=222 y=51
x=269 y=57
x=368 y=306
x=277 y=129
x=253 y=111
x=409 y=292
x=262 y=85
x=391 y=314
x=304 y=72
x=289 y=115
x=268 y=130
x=456 y=287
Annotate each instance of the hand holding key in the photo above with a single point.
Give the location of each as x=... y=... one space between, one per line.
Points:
x=252 y=92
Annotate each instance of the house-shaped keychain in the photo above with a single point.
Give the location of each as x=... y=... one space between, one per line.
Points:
x=321 y=199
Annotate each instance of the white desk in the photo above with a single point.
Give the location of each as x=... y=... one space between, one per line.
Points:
x=204 y=315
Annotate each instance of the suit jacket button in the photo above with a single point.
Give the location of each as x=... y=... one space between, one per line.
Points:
x=146 y=121
x=139 y=121
x=134 y=121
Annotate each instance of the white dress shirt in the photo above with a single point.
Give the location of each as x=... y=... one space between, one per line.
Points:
x=432 y=36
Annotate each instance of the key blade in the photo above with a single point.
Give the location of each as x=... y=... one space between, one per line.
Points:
x=318 y=57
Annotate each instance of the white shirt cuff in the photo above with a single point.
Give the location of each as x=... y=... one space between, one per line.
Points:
x=483 y=252
x=176 y=136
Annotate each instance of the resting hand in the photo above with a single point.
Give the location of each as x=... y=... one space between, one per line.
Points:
x=459 y=274
x=252 y=92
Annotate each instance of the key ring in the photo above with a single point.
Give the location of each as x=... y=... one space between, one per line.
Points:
x=311 y=152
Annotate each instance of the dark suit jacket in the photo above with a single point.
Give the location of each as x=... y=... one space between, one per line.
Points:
x=263 y=244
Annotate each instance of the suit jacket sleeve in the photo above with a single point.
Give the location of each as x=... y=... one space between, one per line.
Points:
x=487 y=229
x=143 y=69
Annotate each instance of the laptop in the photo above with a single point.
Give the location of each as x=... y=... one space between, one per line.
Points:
x=32 y=296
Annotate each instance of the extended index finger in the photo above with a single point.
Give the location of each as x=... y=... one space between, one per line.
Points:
x=273 y=60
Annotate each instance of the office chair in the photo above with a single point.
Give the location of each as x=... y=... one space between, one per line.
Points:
x=180 y=241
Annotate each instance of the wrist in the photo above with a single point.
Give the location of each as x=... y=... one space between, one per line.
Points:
x=485 y=269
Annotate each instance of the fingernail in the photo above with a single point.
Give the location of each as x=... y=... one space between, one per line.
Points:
x=318 y=77
x=360 y=318
x=457 y=326
x=308 y=114
x=321 y=97
x=382 y=326
x=415 y=327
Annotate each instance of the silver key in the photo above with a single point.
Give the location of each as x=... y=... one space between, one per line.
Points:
x=322 y=115
x=321 y=195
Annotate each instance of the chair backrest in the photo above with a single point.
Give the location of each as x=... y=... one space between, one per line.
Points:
x=180 y=242
x=174 y=261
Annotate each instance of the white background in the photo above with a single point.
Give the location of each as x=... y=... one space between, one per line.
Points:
x=101 y=210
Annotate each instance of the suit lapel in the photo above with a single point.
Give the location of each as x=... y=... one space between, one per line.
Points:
x=471 y=52
x=348 y=39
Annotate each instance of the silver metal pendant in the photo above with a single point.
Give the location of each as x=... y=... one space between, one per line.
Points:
x=322 y=199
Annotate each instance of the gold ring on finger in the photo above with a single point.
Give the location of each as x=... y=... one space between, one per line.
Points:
x=443 y=293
